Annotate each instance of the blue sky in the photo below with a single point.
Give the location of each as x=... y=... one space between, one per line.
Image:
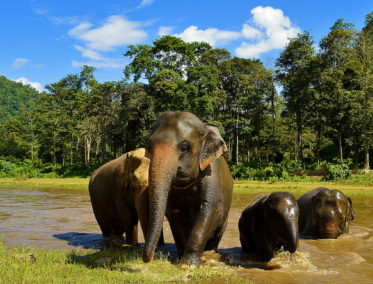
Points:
x=42 y=41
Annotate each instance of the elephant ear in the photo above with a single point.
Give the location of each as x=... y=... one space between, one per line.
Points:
x=213 y=146
x=351 y=211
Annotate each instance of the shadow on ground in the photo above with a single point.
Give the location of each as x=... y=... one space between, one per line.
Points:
x=84 y=240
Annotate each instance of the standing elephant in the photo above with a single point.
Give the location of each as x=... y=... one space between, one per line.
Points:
x=325 y=213
x=269 y=223
x=190 y=182
x=119 y=196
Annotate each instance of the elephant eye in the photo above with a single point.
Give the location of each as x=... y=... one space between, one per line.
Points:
x=185 y=147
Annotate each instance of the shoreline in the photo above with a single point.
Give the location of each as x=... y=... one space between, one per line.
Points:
x=240 y=186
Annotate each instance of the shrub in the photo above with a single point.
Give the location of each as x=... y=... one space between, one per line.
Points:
x=336 y=172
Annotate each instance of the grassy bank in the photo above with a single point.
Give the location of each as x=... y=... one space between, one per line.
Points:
x=350 y=187
x=25 y=265
x=298 y=188
x=70 y=183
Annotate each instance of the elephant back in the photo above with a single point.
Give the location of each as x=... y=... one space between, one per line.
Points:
x=137 y=168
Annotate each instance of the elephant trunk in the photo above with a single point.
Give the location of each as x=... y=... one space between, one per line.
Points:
x=293 y=235
x=162 y=169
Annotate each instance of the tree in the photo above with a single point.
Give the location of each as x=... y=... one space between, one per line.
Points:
x=293 y=66
x=364 y=49
x=336 y=50
x=246 y=83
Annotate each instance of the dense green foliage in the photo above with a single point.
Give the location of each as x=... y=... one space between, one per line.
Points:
x=323 y=114
x=15 y=98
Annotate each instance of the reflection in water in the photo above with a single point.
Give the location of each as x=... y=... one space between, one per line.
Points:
x=62 y=218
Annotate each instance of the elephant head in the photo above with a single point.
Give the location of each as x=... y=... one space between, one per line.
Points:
x=332 y=213
x=280 y=212
x=180 y=146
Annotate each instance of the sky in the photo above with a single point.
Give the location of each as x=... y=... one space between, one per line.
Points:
x=44 y=40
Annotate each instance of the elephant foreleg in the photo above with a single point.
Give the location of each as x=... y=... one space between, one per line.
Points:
x=204 y=229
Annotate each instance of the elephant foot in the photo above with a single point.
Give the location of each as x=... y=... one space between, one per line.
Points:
x=191 y=259
x=188 y=267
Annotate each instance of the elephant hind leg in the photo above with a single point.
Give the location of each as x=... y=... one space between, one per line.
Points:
x=130 y=221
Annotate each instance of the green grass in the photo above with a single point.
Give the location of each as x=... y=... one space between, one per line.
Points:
x=31 y=265
x=69 y=183
x=298 y=188
x=354 y=186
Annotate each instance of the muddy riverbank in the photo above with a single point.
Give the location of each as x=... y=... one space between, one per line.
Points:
x=63 y=219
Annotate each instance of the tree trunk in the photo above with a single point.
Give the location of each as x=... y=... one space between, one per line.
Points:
x=77 y=147
x=318 y=142
x=340 y=145
x=299 y=138
x=89 y=150
x=63 y=153
x=87 y=142
x=97 y=148
x=237 y=151
x=366 y=166
x=85 y=151
x=256 y=151
x=356 y=156
x=273 y=129
x=71 y=149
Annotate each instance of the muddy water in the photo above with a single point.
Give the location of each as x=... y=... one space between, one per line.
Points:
x=62 y=218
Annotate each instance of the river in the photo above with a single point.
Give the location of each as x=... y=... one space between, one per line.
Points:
x=63 y=219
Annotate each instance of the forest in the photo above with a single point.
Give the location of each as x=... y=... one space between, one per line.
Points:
x=312 y=108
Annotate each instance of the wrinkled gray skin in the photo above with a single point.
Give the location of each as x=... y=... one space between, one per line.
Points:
x=324 y=213
x=190 y=182
x=120 y=198
x=269 y=223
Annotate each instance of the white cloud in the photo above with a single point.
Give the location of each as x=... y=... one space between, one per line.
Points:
x=164 y=30
x=20 y=62
x=36 y=85
x=268 y=29
x=73 y=20
x=211 y=35
x=88 y=53
x=276 y=27
x=116 y=31
x=105 y=63
x=97 y=60
x=250 y=32
x=146 y=3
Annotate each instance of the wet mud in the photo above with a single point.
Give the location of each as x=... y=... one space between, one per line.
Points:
x=63 y=219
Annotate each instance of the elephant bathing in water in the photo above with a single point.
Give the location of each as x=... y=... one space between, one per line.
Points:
x=269 y=223
x=324 y=213
x=190 y=182
x=119 y=196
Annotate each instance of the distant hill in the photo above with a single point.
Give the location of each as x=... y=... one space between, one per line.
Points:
x=15 y=98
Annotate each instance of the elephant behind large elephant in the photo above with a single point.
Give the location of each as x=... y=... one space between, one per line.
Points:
x=324 y=213
x=269 y=223
x=119 y=196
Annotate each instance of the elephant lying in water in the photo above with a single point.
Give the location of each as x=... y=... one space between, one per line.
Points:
x=325 y=213
x=119 y=196
x=190 y=182
x=269 y=223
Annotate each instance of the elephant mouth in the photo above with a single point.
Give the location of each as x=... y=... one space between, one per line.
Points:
x=182 y=185
x=328 y=230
